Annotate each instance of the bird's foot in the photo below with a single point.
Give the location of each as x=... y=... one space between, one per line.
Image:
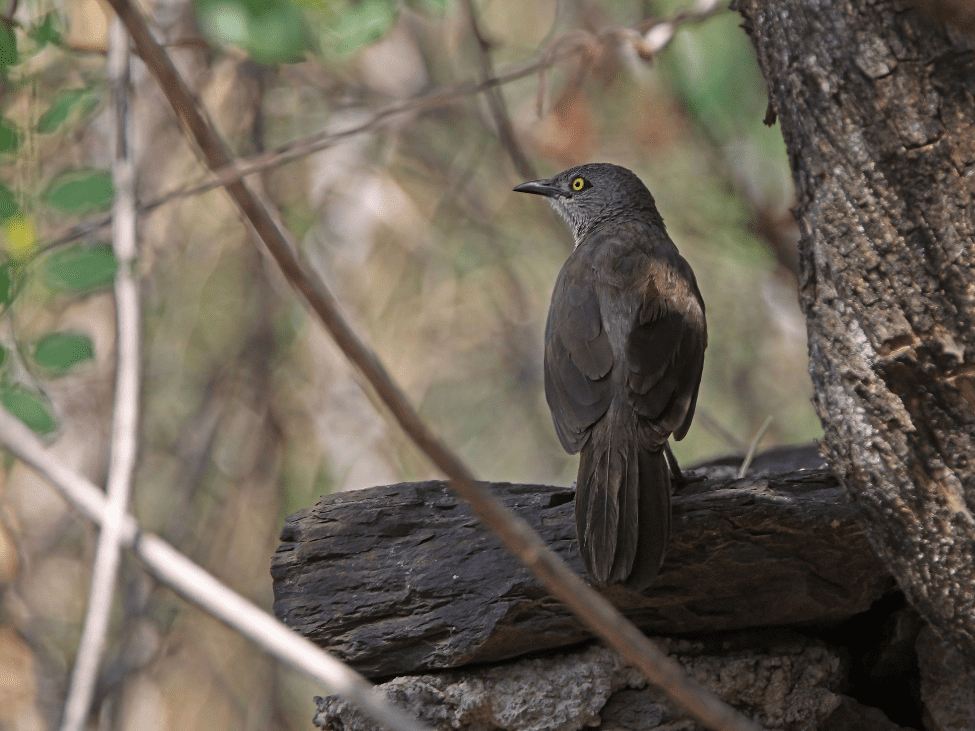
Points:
x=679 y=479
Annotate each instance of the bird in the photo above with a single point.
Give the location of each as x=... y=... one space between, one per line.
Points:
x=624 y=353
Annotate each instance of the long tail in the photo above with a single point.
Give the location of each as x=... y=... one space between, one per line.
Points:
x=622 y=512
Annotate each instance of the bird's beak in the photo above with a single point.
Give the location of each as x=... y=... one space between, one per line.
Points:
x=539 y=187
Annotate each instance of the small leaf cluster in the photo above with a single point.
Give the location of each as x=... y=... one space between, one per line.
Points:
x=27 y=273
x=76 y=271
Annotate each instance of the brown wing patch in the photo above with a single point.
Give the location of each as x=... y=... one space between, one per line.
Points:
x=665 y=352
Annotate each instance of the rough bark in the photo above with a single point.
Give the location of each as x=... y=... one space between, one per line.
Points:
x=876 y=101
x=404 y=579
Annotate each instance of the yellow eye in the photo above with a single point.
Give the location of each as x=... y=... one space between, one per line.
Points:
x=578 y=183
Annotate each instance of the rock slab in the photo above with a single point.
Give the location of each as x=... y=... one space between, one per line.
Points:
x=404 y=579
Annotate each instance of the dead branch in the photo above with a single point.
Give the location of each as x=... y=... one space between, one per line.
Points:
x=649 y=39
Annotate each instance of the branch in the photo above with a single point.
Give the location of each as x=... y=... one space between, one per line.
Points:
x=649 y=39
x=198 y=587
x=657 y=35
x=571 y=43
x=125 y=421
x=516 y=533
x=499 y=112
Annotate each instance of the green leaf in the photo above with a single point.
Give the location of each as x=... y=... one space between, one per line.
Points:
x=31 y=408
x=80 y=268
x=9 y=136
x=81 y=191
x=45 y=32
x=271 y=31
x=8 y=46
x=277 y=36
x=61 y=107
x=361 y=23
x=8 y=203
x=58 y=352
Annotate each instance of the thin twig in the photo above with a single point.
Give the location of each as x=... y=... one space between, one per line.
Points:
x=125 y=419
x=267 y=226
x=318 y=141
x=517 y=535
x=652 y=37
x=506 y=132
x=657 y=34
x=198 y=587
x=540 y=92
x=746 y=463
x=571 y=43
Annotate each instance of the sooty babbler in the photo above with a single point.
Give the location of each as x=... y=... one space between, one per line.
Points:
x=624 y=350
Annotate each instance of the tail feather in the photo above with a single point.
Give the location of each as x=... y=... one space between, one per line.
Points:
x=598 y=510
x=622 y=513
x=654 y=520
x=628 y=527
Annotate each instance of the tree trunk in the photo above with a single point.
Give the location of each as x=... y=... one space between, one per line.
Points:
x=877 y=106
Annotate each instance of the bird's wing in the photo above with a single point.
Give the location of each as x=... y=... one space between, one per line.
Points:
x=665 y=350
x=578 y=357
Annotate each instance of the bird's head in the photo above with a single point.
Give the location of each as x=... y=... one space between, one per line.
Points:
x=588 y=195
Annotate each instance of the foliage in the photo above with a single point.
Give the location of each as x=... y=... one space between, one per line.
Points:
x=64 y=103
x=270 y=31
x=80 y=191
x=76 y=271
x=79 y=268
x=58 y=351
x=30 y=407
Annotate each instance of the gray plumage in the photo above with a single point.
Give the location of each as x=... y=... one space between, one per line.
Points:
x=624 y=351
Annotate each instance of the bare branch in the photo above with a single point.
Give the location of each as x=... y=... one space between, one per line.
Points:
x=657 y=34
x=267 y=225
x=570 y=44
x=198 y=587
x=516 y=533
x=499 y=111
x=651 y=37
x=125 y=420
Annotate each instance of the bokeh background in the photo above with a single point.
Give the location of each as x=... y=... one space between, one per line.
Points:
x=249 y=411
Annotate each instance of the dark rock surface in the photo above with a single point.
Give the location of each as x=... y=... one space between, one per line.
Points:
x=404 y=579
x=947 y=684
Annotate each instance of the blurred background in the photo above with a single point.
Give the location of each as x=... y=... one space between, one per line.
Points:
x=249 y=411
